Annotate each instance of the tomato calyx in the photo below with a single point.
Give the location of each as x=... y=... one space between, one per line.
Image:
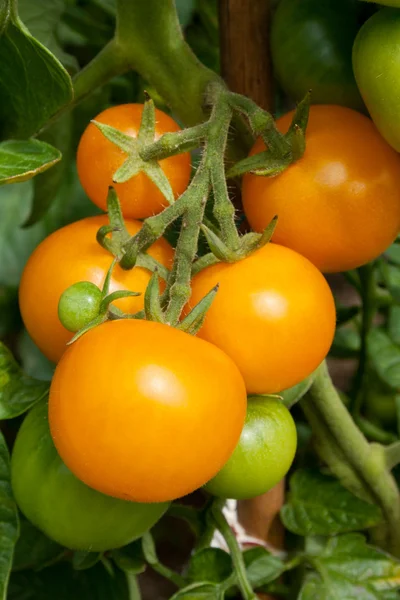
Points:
x=134 y=164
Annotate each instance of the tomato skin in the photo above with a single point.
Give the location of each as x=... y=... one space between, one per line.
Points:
x=376 y=56
x=98 y=159
x=274 y=315
x=311 y=44
x=142 y=411
x=264 y=454
x=339 y=205
x=63 y=507
x=69 y=255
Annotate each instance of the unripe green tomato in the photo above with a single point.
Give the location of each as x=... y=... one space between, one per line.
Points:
x=79 y=304
x=60 y=505
x=376 y=65
x=311 y=42
x=264 y=454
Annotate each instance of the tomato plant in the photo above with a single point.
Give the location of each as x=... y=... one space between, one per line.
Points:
x=68 y=511
x=98 y=160
x=263 y=455
x=339 y=205
x=191 y=344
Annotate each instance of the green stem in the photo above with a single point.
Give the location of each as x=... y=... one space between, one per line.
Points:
x=236 y=554
x=367 y=291
x=186 y=248
x=108 y=63
x=392 y=455
x=169 y=574
x=150 y=35
x=175 y=143
x=366 y=460
x=224 y=211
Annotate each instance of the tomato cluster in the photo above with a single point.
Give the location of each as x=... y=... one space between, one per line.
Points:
x=141 y=413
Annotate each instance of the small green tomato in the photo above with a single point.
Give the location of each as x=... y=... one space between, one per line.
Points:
x=78 y=305
x=263 y=455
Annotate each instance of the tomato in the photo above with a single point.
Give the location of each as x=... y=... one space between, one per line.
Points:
x=63 y=507
x=274 y=315
x=263 y=456
x=142 y=411
x=376 y=60
x=339 y=205
x=98 y=159
x=311 y=43
x=79 y=304
x=67 y=256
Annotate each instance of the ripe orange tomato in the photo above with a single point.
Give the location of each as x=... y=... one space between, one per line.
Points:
x=67 y=256
x=142 y=411
x=98 y=159
x=274 y=315
x=339 y=205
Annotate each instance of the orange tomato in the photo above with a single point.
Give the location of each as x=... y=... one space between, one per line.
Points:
x=142 y=411
x=274 y=315
x=339 y=205
x=67 y=256
x=98 y=159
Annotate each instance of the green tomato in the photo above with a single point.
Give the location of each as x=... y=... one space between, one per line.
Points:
x=79 y=304
x=311 y=42
x=264 y=453
x=376 y=63
x=63 y=507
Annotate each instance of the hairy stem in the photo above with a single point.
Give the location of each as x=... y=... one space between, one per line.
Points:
x=366 y=460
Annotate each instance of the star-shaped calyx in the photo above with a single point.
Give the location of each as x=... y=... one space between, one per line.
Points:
x=132 y=146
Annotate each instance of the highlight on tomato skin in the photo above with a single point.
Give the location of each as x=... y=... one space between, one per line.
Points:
x=98 y=159
x=70 y=255
x=338 y=205
x=144 y=412
x=274 y=315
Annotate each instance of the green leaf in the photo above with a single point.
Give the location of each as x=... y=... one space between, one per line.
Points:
x=319 y=505
x=62 y=582
x=346 y=343
x=34 y=550
x=199 y=591
x=393 y=253
x=34 y=363
x=210 y=564
x=16 y=244
x=22 y=160
x=130 y=558
x=347 y=568
x=185 y=9
x=18 y=392
x=295 y=393
x=82 y=560
x=9 y=525
x=28 y=96
x=262 y=567
x=385 y=357
x=42 y=18
x=47 y=185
